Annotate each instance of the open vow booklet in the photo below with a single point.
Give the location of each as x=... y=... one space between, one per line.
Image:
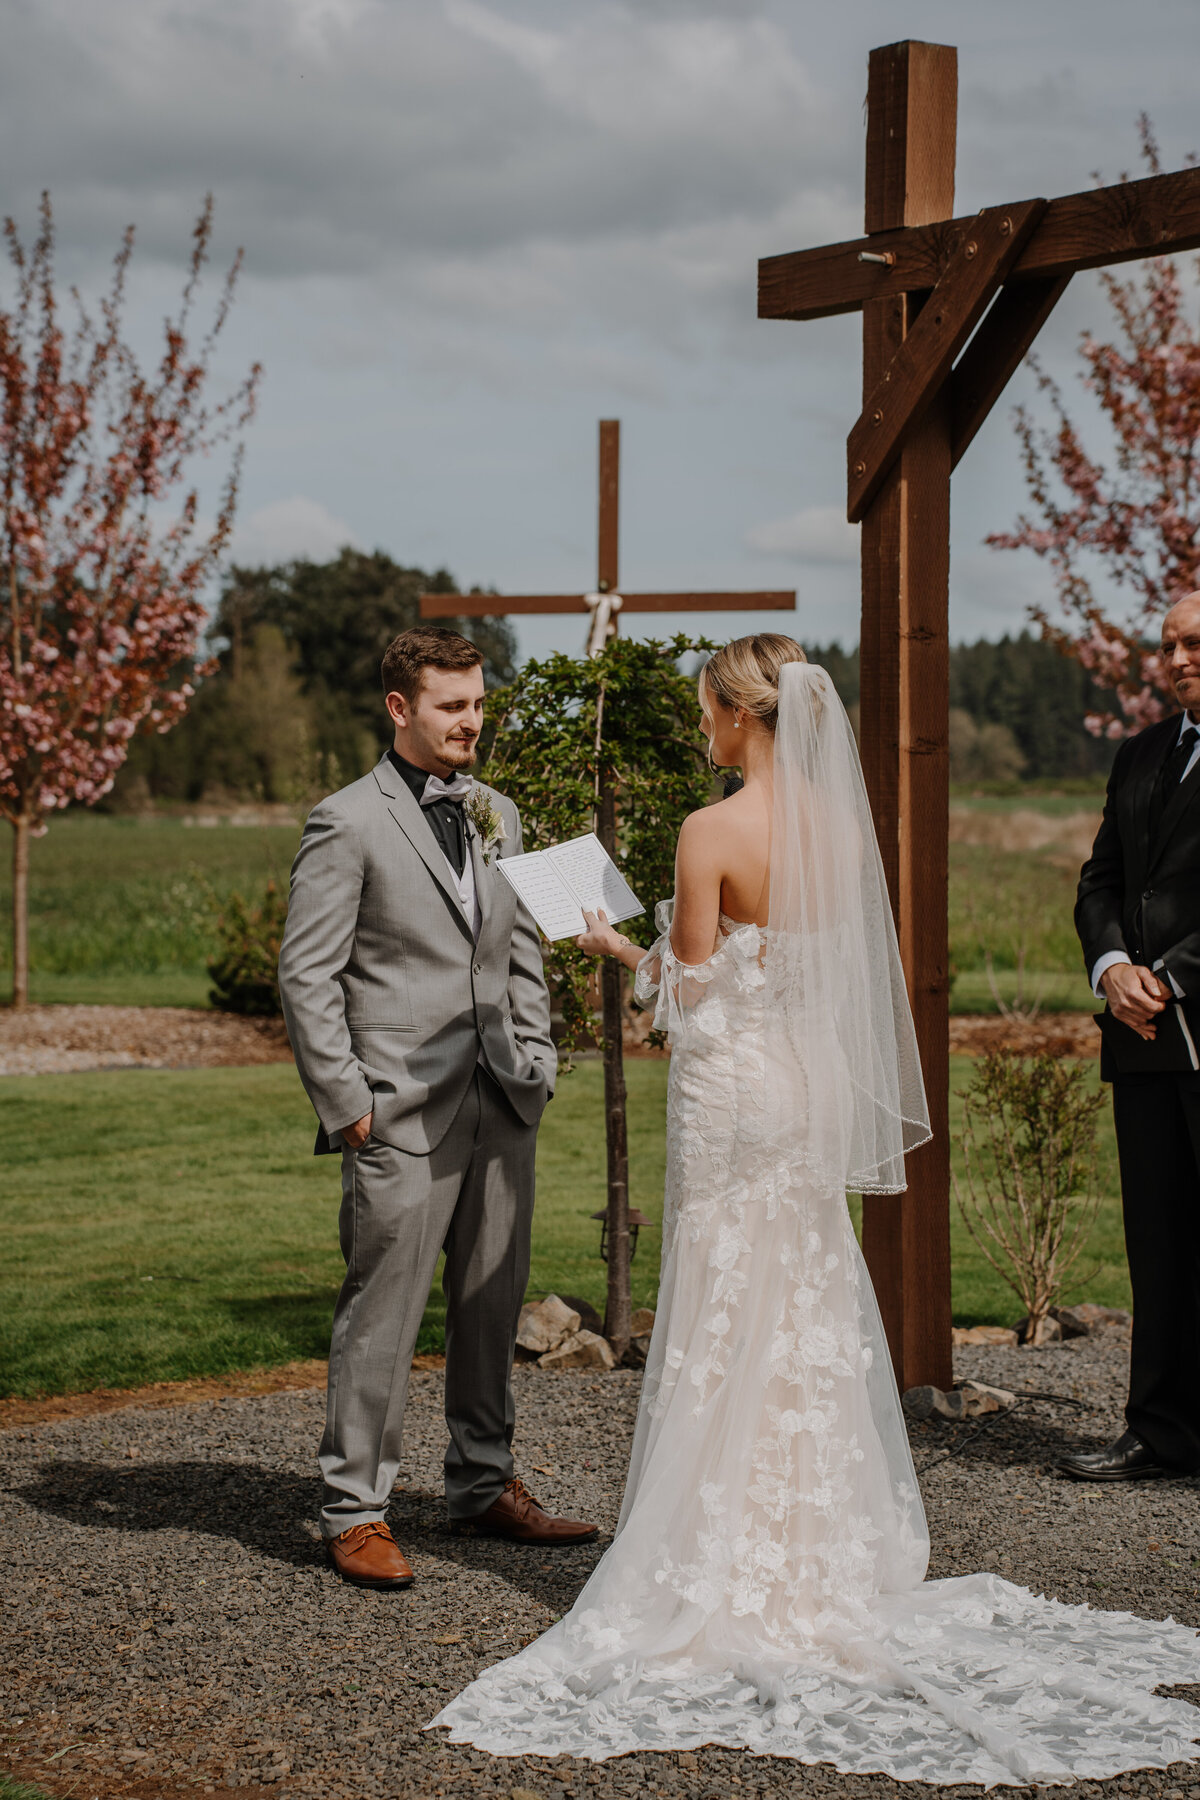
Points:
x=557 y=884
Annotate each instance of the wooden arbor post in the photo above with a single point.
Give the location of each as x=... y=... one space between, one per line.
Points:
x=911 y=112
x=950 y=307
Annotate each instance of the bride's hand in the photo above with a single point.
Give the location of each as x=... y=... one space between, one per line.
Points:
x=600 y=939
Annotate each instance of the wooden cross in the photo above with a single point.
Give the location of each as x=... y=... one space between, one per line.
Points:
x=950 y=307
x=605 y=606
x=607 y=603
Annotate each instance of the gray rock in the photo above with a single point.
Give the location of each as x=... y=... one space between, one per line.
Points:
x=1062 y=1322
x=589 y=1318
x=984 y=1334
x=979 y=1398
x=546 y=1324
x=973 y=1400
x=582 y=1350
x=926 y=1403
x=1052 y=1331
x=1093 y=1314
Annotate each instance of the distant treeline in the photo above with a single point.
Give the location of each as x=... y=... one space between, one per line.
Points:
x=293 y=706
x=1016 y=710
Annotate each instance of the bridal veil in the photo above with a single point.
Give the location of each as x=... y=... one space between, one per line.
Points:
x=843 y=1074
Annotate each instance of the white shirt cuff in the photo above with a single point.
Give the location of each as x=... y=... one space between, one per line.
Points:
x=1108 y=961
x=1175 y=987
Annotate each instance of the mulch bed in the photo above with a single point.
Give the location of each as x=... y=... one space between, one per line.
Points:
x=45 y=1040
x=171 y=1627
x=288 y=1378
x=1054 y=1034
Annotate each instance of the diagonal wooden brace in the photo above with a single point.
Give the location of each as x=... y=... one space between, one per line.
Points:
x=996 y=352
x=923 y=361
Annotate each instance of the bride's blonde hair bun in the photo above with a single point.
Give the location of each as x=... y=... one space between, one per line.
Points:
x=745 y=673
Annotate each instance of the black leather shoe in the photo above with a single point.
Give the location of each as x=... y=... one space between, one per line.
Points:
x=1126 y=1460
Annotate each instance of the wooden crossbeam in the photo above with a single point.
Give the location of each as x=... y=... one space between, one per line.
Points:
x=917 y=370
x=1154 y=217
x=477 y=606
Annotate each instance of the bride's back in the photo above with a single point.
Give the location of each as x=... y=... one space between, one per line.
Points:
x=721 y=866
x=741 y=828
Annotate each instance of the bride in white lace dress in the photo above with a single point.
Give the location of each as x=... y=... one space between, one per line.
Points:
x=766 y=1585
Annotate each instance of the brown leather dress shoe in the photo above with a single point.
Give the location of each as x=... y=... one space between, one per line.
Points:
x=516 y=1515
x=369 y=1556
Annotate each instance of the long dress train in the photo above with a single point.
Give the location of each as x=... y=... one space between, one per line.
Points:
x=765 y=1588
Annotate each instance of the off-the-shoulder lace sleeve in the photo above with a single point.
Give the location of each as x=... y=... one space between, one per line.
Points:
x=689 y=994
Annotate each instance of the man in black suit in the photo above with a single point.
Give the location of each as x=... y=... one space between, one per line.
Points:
x=1138 y=919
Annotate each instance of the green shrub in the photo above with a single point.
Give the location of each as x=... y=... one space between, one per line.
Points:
x=1027 y=1195
x=245 y=970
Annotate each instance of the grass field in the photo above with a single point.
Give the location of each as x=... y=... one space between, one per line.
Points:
x=160 y=1224
x=122 y=909
x=20 y=1790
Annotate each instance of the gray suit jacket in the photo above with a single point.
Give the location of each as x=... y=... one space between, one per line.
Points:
x=388 y=999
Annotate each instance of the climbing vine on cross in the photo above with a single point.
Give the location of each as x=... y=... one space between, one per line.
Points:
x=610 y=743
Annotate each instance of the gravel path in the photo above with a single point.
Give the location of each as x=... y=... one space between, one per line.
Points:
x=171 y=1627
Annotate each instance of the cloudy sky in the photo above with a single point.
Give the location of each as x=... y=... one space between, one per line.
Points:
x=474 y=227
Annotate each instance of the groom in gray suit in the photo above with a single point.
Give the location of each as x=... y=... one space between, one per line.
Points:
x=417 y=1009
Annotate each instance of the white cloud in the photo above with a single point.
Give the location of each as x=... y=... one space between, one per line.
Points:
x=287 y=529
x=350 y=137
x=815 y=534
x=474 y=226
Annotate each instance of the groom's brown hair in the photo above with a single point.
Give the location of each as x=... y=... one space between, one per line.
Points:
x=424 y=647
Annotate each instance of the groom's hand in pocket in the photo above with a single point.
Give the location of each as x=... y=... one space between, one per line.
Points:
x=357 y=1134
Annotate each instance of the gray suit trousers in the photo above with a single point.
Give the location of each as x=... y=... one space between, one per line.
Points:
x=472 y=1195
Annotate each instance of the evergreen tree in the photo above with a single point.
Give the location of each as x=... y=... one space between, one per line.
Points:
x=330 y=623
x=1026 y=684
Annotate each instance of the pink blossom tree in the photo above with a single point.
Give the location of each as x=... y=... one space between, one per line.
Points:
x=1135 y=524
x=103 y=558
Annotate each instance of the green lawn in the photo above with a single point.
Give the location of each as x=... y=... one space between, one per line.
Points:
x=11 y=1789
x=122 y=909
x=163 y=1223
x=160 y=1224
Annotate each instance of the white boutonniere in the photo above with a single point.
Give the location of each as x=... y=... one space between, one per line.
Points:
x=488 y=824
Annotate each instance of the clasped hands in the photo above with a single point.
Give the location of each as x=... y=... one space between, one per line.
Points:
x=1136 y=996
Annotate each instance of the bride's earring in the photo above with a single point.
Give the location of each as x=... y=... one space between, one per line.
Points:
x=737 y=724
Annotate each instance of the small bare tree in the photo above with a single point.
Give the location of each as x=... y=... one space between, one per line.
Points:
x=1024 y=1006
x=1029 y=1153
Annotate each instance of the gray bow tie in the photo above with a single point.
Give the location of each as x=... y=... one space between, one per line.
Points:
x=457 y=788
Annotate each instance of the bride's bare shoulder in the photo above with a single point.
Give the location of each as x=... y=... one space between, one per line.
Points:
x=713 y=829
x=741 y=811
x=705 y=817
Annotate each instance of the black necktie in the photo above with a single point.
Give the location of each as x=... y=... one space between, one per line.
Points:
x=1169 y=777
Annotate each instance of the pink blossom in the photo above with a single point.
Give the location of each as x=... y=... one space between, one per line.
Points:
x=102 y=634
x=1139 y=520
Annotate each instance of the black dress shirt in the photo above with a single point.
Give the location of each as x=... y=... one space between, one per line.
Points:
x=445 y=817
